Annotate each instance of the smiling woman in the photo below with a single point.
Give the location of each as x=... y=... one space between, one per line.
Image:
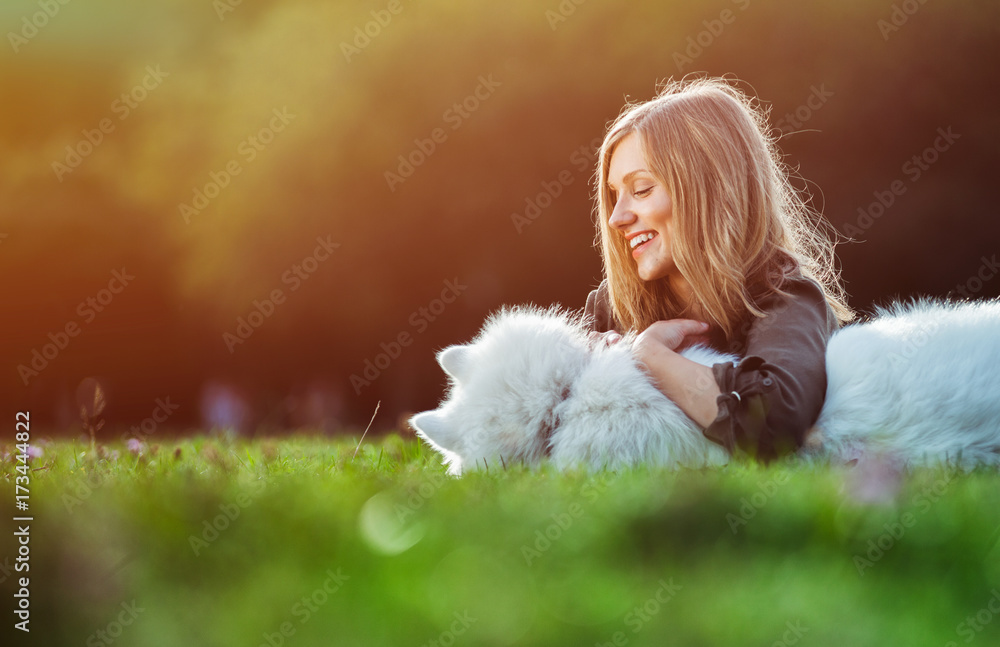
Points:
x=704 y=239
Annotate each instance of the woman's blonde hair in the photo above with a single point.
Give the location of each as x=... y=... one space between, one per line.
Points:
x=740 y=227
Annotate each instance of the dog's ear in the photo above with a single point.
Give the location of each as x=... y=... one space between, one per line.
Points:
x=440 y=434
x=433 y=426
x=453 y=360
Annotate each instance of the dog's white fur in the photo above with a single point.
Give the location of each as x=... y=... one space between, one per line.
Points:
x=917 y=382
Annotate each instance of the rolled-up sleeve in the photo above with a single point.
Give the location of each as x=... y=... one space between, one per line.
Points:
x=774 y=394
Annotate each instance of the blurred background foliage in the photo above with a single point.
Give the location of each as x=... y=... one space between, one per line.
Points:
x=226 y=68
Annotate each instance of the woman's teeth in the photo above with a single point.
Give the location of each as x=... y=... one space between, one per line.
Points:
x=640 y=239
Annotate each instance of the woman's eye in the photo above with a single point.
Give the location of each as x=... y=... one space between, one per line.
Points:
x=644 y=192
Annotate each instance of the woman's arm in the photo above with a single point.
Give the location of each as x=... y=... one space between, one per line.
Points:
x=690 y=385
x=773 y=395
x=763 y=404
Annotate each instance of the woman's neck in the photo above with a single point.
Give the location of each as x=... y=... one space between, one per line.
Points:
x=685 y=294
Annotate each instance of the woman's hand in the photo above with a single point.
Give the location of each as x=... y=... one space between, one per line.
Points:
x=690 y=385
x=672 y=334
x=607 y=338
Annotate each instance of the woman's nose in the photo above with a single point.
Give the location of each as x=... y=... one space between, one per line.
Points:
x=621 y=216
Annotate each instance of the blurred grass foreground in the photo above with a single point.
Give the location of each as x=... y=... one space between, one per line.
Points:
x=208 y=541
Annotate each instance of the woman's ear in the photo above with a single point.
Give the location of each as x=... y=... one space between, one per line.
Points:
x=453 y=360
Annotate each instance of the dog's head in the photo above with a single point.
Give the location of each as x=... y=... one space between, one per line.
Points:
x=503 y=388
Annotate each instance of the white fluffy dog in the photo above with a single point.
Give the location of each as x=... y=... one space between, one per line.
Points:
x=916 y=382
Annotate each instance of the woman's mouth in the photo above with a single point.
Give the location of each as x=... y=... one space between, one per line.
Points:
x=640 y=242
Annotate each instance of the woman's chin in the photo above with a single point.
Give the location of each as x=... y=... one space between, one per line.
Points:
x=652 y=273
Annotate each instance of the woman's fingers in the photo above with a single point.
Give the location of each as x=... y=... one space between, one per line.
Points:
x=691 y=326
x=693 y=340
x=675 y=333
x=608 y=338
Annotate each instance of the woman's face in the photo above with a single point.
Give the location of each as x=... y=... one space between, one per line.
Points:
x=643 y=211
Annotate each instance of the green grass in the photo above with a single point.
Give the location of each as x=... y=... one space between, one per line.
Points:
x=412 y=557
